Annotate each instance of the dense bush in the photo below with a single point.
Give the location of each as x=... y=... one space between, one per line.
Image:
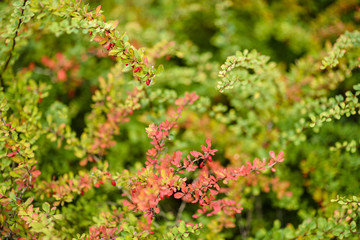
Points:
x=152 y=124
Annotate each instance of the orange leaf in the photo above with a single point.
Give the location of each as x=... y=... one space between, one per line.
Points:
x=36 y=173
x=98 y=39
x=178 y=195
x=98 y=8
x=114 y=23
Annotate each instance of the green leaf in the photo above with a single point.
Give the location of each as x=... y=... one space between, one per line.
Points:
x=182 y=227
x=125 y=227
x=29 y=201
x=114 y=52
x=353 y=226
x=160 y=69
x=322 y=223
x=175 y=231
x=312 y=225
x=37 y=226
x=46 y=207
x=12 y=196
x=357 y=87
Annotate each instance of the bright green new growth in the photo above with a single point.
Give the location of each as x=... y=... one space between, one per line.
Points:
x=244 y=69
x=346 y=42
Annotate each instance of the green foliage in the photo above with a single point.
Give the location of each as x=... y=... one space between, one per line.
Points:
x=346 y=42
x=254 y=67
x=81 y=96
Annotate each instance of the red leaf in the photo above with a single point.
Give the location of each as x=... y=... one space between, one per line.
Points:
x=129 y=204
x=61 y=75
x=208 y=142
x=280 y=157
x=36 y=173
x=178 y=195
x=177 y=159
x=213 y=192
x=12 y=154
x=191 y=168
x=195 y=154
x=186 y=163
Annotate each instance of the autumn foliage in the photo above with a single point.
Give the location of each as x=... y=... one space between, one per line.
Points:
x=161 y=124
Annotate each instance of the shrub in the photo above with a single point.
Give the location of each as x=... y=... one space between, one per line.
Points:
x=173 y=129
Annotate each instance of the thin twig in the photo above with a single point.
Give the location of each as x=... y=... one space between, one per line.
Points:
x=2 y=83
x=181 y=209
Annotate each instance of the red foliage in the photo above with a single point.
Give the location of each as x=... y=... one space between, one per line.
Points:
x=162 y=175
